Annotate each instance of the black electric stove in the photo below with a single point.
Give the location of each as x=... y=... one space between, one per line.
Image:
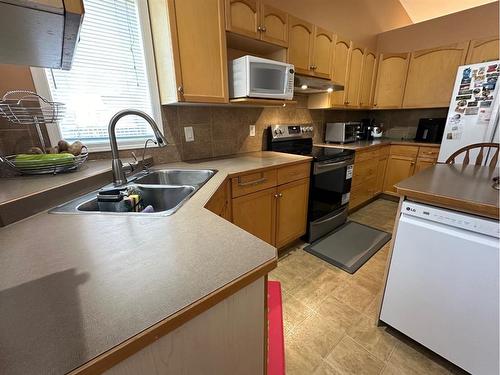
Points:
x=331 y=176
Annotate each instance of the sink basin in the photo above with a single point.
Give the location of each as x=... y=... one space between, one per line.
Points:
x=166 y=190
x=193 y=177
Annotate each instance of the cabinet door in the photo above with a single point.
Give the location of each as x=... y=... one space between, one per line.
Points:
x=201 y=62
x=300 y=44
x=391 y=79
x=381 y=168
x=431 y=76
x=274 y=25
x=291 y=211
x=481 y=50
x=423 y=164
x=256 y=213
x=322 y=53
x=341 y=55
x=242 y=17
x=354 y=77
x=398 y=168
x=365 y=95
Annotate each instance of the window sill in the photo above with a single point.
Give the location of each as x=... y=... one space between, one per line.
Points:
x=95 y=148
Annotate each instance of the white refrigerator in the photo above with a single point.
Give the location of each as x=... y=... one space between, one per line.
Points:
x=474 y=109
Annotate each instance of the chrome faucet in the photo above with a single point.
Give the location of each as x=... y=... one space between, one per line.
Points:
x=119 y=177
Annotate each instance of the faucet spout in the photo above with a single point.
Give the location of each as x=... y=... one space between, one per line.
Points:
x=119 y=177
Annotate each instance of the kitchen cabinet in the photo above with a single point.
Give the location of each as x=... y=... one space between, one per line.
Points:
x=354 y=76
x=481 y=50
x=341 y=57
x=220 y=202
x=256 y=213
x=364 y=179
x=256 y=20
x=190 y=50
x=310 y=48
x=291 y=211
x=423 y=163
x=383 y=157
x=272 y=204
x=431 y=75
x=367 y=79
x=391 y=79
x=300 y=44
x=400 y=165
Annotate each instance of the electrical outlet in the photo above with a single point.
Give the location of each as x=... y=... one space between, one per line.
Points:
x=188 y=133
x=252 y=130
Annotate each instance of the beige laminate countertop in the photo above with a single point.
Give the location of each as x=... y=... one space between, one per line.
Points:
x=362 y=145
x=72 y=287
x=463 y=188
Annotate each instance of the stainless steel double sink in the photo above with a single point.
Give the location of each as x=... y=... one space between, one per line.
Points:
x=166 y=190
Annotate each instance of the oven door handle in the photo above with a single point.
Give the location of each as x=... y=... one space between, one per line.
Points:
x=322 y=168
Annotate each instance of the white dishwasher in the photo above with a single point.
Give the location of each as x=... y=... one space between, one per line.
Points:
x=443 y=285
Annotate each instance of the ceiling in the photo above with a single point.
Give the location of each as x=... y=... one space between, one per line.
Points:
x=422 y=10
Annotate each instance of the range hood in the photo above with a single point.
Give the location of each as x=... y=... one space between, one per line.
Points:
x=40 y=32
x=313 y=85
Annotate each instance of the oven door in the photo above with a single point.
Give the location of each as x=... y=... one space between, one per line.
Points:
x=330 y=187
x=267 y=80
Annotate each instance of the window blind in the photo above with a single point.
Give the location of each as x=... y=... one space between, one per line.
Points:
x=108 y=74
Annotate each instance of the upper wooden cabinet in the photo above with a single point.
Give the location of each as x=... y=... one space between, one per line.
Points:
x=242 y=17
x=481 y=50
x=310 y=48
x=322 y=53
x=431 y=76
x=190 y=50
x=300 y=44
x=257 y=20
x=391 y=79
x=354 y=77
x=274 y=25
x=367 y=79
x=341 y=57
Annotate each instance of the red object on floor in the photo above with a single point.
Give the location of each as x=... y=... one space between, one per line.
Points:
x=276 y=343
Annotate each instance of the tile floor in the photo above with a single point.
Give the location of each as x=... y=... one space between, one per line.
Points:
x=330 y=316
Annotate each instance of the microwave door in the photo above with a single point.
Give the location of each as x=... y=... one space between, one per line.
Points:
x=267 y=80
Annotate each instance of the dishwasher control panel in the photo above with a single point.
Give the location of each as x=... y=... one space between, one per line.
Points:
x=456 y=219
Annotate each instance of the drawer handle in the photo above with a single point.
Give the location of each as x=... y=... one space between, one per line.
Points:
x=251 y=183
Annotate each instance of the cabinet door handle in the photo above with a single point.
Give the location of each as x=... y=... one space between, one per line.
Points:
x=254 y=182
x=180 y=89
x=275 y=195
x=280 y=195
x=259 y=28
x=263 y=29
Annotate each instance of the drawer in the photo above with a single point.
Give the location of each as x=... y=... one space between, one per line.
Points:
x=428 y=152
x=410 y=151
x=362 y=155
x=364 y=171
x=293 y=173
x=251 y=182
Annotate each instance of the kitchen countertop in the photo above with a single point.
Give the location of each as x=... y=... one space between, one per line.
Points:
x=463 y=188
x=72 y=287
x=362 y=145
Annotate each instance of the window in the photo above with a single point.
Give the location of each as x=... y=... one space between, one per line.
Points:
x=113 y=69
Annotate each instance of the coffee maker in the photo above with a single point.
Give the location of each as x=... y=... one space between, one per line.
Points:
x=365 y=133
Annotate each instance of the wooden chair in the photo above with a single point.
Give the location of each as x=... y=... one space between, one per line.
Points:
x=480 y=156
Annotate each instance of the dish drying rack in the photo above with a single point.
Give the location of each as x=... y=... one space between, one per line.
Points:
x=23 y=107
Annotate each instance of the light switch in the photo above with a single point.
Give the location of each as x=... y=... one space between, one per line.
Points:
x=252 y=130
x=188 y=133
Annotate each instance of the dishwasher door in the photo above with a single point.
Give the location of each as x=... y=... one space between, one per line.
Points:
x=443 y=286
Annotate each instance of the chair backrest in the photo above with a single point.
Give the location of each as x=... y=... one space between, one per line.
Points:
x=484 y=149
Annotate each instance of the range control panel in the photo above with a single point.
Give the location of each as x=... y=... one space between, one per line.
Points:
x=292 y=131
x=452 y=218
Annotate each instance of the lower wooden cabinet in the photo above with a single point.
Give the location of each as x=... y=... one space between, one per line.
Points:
x=398 y=168
x=291 y=211
x=220 y=202
x=422 y=164
x=256 y=213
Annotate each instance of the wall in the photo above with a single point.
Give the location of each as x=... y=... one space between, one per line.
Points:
x=359 y=20
x=474 y=23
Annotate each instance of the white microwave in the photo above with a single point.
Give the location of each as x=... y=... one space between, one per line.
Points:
x=255 y=77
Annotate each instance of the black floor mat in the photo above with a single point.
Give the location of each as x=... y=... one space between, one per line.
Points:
x=349 y=246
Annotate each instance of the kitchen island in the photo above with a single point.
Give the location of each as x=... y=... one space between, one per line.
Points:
x=87 y=293
x=441 y=278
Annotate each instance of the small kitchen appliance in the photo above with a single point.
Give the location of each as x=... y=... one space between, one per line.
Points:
x=342 y=132
x=364 y=133
x=430 y=130
x=255 y=77
x=331 y=175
